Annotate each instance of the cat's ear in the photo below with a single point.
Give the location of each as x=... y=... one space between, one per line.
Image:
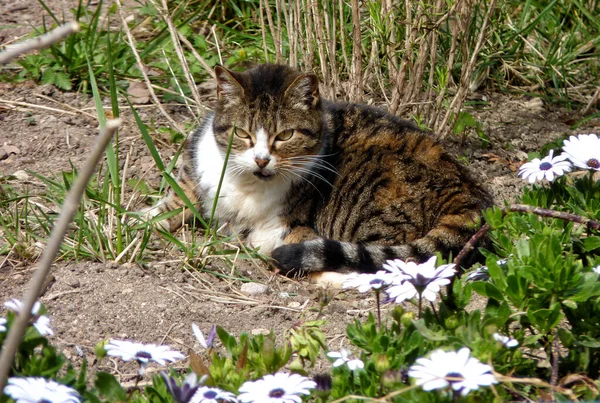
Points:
x=229 y=89
x=303 y=93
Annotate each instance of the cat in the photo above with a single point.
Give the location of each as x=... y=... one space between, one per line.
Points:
x=323 y=186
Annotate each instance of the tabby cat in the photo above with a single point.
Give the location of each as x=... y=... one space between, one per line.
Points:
x=319 y=185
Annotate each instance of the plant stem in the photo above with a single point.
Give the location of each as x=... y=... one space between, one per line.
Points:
x=521 y=208
x=36 y=284
x=377 y=292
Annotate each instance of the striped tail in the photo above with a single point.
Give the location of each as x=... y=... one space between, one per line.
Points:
x=326 y=255
x=318 y=255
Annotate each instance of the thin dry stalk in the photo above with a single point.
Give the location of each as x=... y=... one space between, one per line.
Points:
x=142 y=69
x=42 y=41
x=592 y=102
x=179 y=51
x=278 y=56
x=262 y=30
x=69 y=208
x=433 y=122
x=459 y=98
x=321 y=36
x=357 y=89
x=343 y=36
x=293 y=56
x=400 y=77
x=309 y=32
x=279 y=30
x=203 y=62
x=330 y=28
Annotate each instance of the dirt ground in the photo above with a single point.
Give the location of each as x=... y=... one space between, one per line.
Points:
x=158 y=302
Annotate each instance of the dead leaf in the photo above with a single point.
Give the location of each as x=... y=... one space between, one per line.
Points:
x=138 y=92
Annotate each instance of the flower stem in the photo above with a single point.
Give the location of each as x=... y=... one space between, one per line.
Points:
x=435 y=312
x=420 y=304
x=378 y=309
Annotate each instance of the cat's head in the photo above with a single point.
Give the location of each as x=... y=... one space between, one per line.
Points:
x=272 y=115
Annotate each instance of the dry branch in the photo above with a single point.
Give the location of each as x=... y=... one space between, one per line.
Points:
x=522 y=208
x=142 y=68
x=69 y=208
x=42 y=41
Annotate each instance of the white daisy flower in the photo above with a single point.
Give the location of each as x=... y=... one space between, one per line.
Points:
x=187 y=390
x=3 y=324
x=584 y=151
x=418 y=279
x=42 y=322
x=367 y=281
x=35 y=390
x=199 y=335
x=342 y=358
x=142 y=353
x=16 y=306
x=42 y=325
x=596 y=269
x=212 y=395
x=455 y=369
x=277 y=388
x=547 y=168
x=483 y=273
x=507 y=341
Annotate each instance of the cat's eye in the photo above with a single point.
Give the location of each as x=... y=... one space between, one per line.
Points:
x=285 y=135
x=243 y=134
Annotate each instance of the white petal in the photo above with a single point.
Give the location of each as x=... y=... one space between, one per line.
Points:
x=199 y=335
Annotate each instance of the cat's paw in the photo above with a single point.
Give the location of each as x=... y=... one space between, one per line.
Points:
x=149 y=213
x=289 y=259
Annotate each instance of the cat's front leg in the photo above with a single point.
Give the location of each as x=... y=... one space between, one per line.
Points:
x=172 y=202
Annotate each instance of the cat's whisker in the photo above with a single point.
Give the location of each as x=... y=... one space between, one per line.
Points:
x=316 y=160
x=283 y=171
x=310 y=172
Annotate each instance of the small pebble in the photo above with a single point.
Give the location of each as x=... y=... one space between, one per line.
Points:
x=253 y=289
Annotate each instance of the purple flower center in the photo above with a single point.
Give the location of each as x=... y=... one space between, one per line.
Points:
x=545 y=166
x=593 y=163
x=277 y=393
x=143 y=355
x=457 y=377
x=210 y=394
x=376 y=282
x=421 y=281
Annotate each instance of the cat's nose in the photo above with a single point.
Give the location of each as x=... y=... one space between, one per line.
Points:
x=262 y=162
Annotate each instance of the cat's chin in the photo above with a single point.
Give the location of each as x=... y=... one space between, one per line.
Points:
x=264 y=175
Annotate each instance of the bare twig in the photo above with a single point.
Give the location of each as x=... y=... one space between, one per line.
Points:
x=42 y=41
x=522 y=208
x=67 y=212
x=142 y=69
x=356 y=93
x=459 y=98
x=184 y=65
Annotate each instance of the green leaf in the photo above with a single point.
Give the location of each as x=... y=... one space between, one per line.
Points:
x=227 y=339
x=488 y=290
x=110 y=388
x=48 y=77
x=428 y=333
x=62 y=81
x=546 y=319
x=591 y=243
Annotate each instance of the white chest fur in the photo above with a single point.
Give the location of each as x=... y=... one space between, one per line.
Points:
x=245 y=202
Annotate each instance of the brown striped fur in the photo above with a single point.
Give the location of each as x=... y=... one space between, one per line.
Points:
x=378 y=188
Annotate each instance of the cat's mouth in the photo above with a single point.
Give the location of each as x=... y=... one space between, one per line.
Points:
x=263 y=174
